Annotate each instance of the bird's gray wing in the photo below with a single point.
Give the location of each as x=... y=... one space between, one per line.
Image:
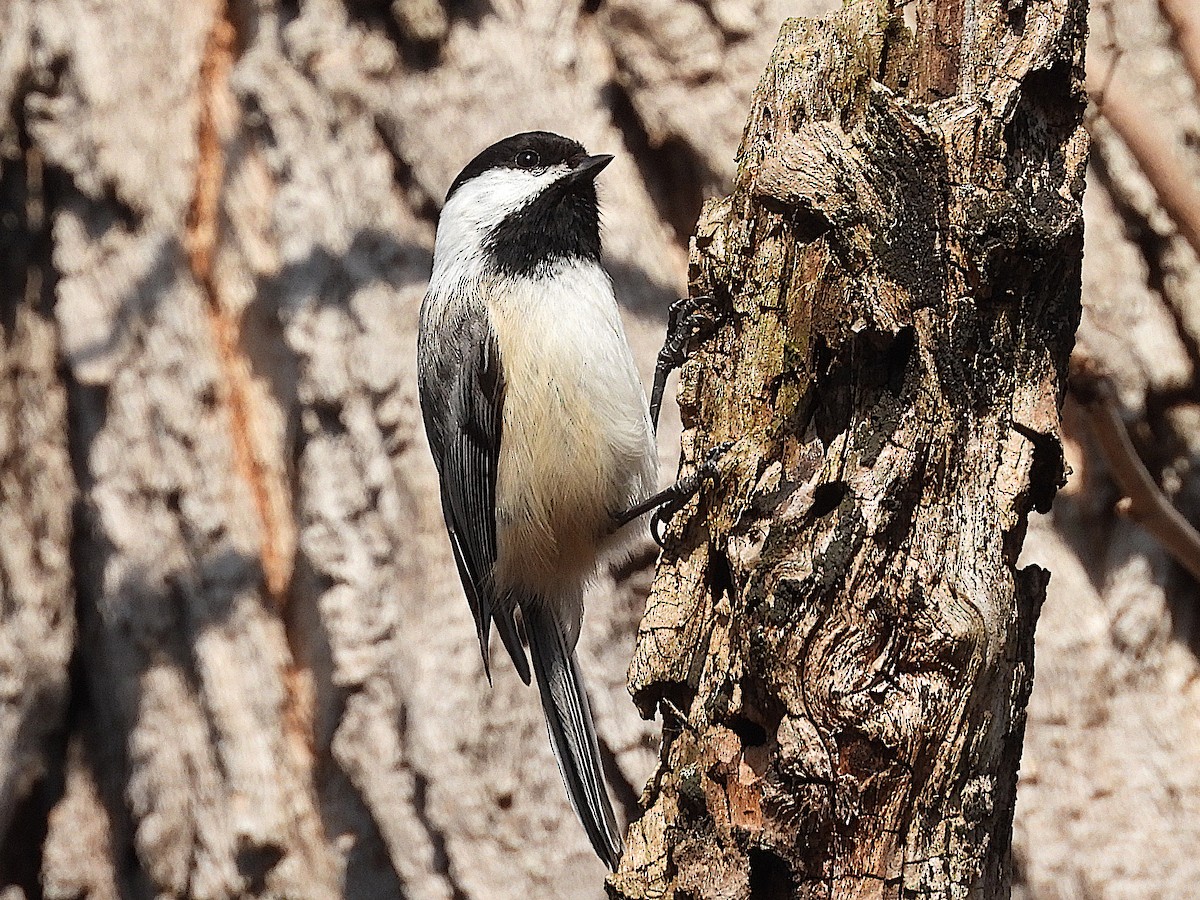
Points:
x=462 y=401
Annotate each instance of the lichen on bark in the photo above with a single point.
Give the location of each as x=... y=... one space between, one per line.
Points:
x=840 y=622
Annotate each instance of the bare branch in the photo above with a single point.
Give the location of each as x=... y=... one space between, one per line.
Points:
x=1145 y=137
x=1184 y=19
x=1144 y=502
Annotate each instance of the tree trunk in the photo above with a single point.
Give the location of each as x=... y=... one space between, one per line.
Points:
x=839 y=638
x=216 y=222
x=342 y=123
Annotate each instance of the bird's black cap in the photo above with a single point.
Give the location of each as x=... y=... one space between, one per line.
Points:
x=549 y=149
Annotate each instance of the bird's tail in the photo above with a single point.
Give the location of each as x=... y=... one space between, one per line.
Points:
x=572 y=734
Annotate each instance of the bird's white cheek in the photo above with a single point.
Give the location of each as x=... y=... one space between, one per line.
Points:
x=491 y=195
x=480 y=205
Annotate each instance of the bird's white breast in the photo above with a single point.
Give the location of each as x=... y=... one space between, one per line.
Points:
x=577 y=445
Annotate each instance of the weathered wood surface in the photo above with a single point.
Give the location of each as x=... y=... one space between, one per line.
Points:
x=842 y=620
x=1106 y=804
x=276 y=692
x=223 y=223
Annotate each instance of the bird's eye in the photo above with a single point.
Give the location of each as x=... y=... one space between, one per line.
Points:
x=527 y=159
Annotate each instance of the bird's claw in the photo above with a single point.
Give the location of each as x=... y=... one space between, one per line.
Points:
x=688 y=319
x=684 y=490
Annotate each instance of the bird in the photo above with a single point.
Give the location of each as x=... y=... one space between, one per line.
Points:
x=538 y=424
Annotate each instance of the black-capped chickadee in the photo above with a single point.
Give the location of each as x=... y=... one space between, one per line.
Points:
x=537 y=421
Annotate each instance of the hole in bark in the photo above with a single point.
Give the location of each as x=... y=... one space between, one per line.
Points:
x=897 y=357
x=827 y=498
x=255 y=862
x=751 y=733
x=720 y=576
x=807 y=225
x=833 y=391
x=806 y=221
x=770 y=875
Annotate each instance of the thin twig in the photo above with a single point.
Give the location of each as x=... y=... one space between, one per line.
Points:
x=1111 y=53
x=1143 y=502
x=1184 y=18
x=1146 y=138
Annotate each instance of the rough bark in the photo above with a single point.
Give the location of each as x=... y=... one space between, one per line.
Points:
x=841 y=622
x=276 y=692
x=346 y=122
x=1114 y=719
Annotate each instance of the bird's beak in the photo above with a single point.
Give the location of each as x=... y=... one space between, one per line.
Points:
x=589 y=168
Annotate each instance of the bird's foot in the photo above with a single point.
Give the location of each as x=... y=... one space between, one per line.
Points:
x=678 y=494
x=688 y=320
x=667 y=502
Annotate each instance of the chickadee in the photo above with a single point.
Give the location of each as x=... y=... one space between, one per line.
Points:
x=537 y=421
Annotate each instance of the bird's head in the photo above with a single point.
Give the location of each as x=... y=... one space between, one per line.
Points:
x=525 y=201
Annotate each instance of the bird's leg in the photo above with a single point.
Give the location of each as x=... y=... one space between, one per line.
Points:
x=666 y=707
x=688 y=319
x=670 y=500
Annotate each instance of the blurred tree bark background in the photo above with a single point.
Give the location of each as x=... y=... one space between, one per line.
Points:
x=234 y=657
